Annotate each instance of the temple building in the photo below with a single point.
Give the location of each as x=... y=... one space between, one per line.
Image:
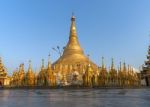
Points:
x=145 y=73
x=4 y=79
x=74 y=68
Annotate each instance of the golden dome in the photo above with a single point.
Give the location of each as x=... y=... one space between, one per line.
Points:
x=73 y=53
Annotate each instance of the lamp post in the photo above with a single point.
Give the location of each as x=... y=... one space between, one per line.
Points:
x=58 y=50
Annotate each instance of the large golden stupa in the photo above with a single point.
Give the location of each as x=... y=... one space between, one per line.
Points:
x=73 y=55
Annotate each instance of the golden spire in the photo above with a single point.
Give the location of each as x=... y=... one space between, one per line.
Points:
x=120 y=66
x=23 y=66
x=20 y=67
x=49 y=62
x=73 y=45
x=88 y=59
x=128 y=68
x=30 y=66
x=0 y=60
x=73 y=27
x=1 y=63
x=42 y=68
x=112 y=64
x=124 y=66
x=103 y=65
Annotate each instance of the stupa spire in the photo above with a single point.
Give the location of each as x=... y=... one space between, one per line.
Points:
x=73 y=27
x=120 y=68
x=103 y=65
x=42 y=68
x=0 y=60
x=124 y=66
x=73 y=45
x=30 y=66
x=49 y=62
x=112 y=64
x=1 y=64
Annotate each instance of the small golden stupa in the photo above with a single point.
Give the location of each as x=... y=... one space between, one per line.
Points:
x=73 y=56
x=4 y=79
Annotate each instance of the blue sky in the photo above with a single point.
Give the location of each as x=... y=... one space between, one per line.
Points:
x=110 y=28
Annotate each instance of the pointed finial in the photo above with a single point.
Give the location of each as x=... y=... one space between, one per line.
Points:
x=42 y=68
x=128 y=68
x=30 y=66
x=49 y=57
x=124 y=66
x=73 y=17
x=103 y=65
x=29 y=62
x=20 y=67
x=120 y=66
x=112 y=64
x=49 y=62
x=42 y=62
x=0 y=60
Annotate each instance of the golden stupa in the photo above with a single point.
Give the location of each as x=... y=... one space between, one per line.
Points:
x=73 y=55
x=4 y=79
